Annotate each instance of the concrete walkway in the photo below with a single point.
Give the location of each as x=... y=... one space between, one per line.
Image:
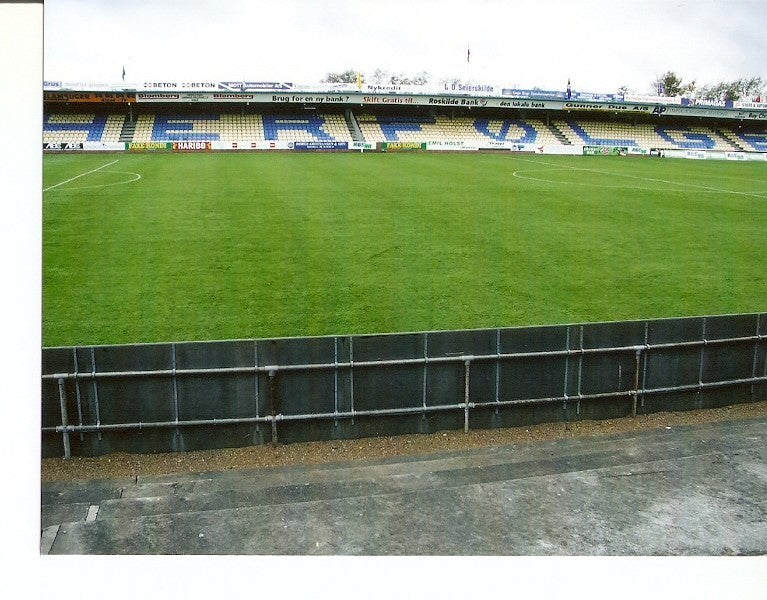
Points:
x=699 y=490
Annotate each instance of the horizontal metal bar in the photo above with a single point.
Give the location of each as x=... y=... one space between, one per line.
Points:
x=522 y=401
x=403 y=411
x=372 y=413
x=398 y=362
x=280 y=417
x=705 y=385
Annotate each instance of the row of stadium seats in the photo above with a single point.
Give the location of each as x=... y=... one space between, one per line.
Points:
x=82 y=128
x=459 y=129
x=645 y=135
x=232 y=128
x=379 y=128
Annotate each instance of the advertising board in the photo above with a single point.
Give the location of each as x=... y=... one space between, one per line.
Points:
x=179 y=85
x=321 y=145
x=87 y=97
x=62 y=145
x=254 y=86
x=79 y=86
x=402 y=146
x=361 y=146
x=560 y=149
x=653 y=99
x=446 y=145
x=191 y=146
x=517 y=147
x=715 y=155
x=470 y=88
x=148 y=146
x=252 y=145
x=605 y=150
x=756 y=105
x=561 y=95
x=103 y=146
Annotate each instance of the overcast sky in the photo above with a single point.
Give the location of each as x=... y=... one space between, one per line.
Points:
x=600 y=45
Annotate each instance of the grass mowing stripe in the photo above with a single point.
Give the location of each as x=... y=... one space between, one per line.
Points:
x=218 y=246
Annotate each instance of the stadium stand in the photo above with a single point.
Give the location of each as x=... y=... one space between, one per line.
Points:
x=227 y=127
x=294 y=128
x=186 y=128
x=602 y=133
x=76 y=128
x=378 y=128
x=231 y=128
x=755 y=141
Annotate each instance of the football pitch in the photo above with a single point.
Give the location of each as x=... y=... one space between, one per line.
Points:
x=172 y=247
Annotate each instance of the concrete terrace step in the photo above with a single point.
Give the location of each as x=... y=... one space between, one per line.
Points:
x=202 y=496
x=654 y=508
x=93 y=513
x=707 y=438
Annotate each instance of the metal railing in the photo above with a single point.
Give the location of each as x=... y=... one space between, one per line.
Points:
x=637 y=392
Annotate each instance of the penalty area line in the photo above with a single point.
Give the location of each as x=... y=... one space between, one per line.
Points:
x=81 y=175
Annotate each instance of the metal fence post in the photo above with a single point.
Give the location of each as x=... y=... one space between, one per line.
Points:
x=335 y=379
x=756 y=353
x=644 y=360
x=636 y=384
x=255 y=378
x=351 y=375
x=567 y=368
x=497 y=368
x=700 y=363
x=77 y=393
x=580 y=374
x=467 y=362
x=95 y=389
x=272 y=403
x=64 y=419
x=175 y=387
x=425 y=366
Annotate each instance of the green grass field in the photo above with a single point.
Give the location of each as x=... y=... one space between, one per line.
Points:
x=165 y=247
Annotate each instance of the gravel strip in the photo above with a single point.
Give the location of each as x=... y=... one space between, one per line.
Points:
x=132 y=465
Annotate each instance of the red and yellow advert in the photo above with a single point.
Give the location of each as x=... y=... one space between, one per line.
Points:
x=191 y=146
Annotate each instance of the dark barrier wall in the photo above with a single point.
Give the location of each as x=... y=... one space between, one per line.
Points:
x=197 y=395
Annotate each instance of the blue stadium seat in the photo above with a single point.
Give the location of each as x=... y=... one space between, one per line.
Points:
x=95 y=128
x=682 y=137
x=391 y=126
x=756 y=140
x=178 y=128
x=529 y=136
x=312 y=126
x=594 y=141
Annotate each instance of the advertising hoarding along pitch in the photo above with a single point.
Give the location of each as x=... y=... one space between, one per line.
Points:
x=402 y=146
x=604 y=150
x=62 y=145
x=144 y=146
x=191 y=146
x=321 y=145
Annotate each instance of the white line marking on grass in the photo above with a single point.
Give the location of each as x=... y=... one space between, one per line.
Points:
x=611 y=174
x=100 y=185
x=627 y=186
x=81 y=175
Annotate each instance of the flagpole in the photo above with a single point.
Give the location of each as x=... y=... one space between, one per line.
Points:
x=468 y=62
